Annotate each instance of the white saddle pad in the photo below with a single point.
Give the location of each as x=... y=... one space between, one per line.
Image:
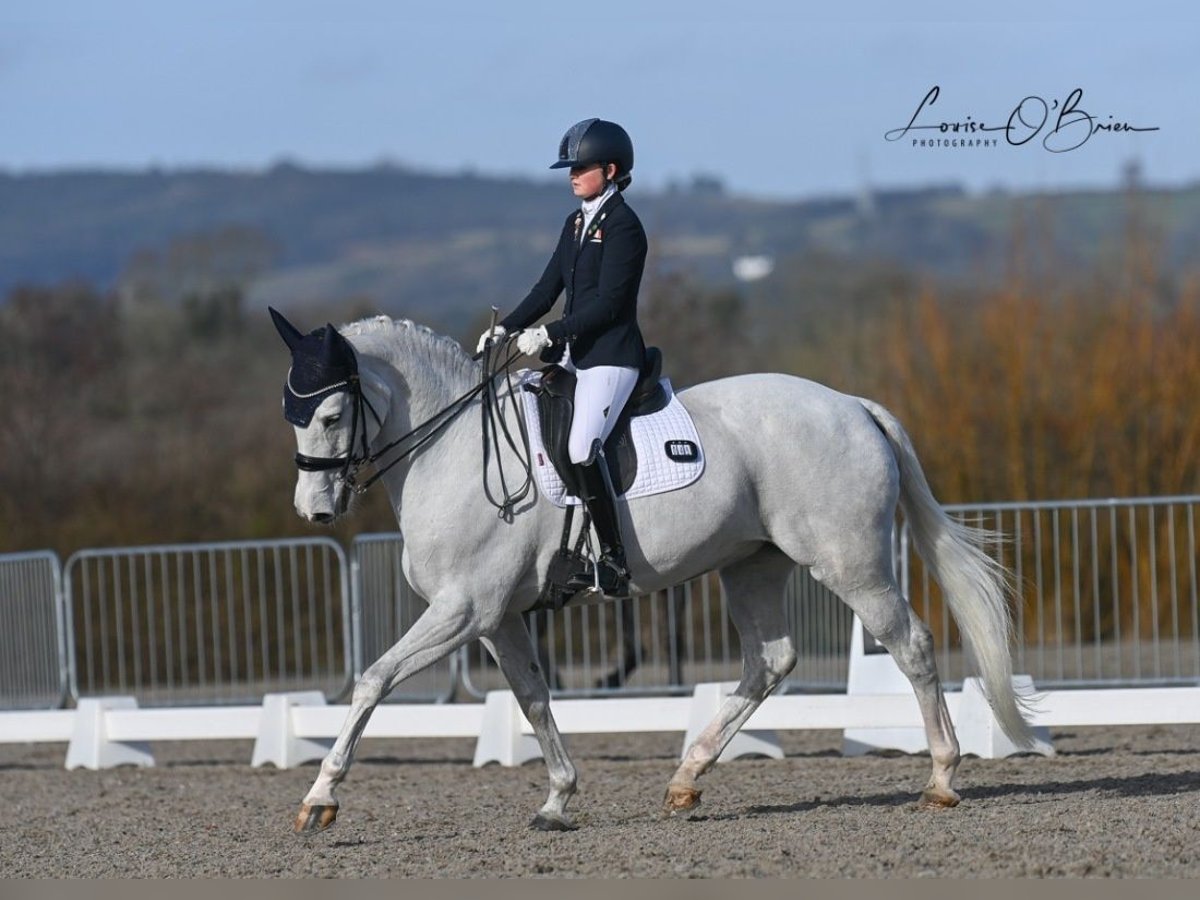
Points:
x=657 y=437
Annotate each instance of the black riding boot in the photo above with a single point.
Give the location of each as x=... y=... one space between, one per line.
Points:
x=596 y=491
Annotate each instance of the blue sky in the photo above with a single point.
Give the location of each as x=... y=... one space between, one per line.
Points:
x=773 y=100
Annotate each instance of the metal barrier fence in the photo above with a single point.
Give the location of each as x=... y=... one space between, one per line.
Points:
x=385 y=607
x=209 y=623
x=1108 y=596
x=33 y=662
x=1107 y=590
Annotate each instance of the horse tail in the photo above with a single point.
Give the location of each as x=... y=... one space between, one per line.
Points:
x=976 y=587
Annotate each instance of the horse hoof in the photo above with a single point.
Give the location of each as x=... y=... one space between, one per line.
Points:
x=680 y=799
x=938 y=799
x=551 y=822
x=313 y=819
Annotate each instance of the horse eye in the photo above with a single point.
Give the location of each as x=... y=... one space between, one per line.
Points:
x=330 y=421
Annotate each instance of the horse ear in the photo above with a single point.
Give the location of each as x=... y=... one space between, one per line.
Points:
x=290 y=334
x=329 y=342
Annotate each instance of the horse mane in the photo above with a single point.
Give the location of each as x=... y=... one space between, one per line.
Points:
x=390 y=337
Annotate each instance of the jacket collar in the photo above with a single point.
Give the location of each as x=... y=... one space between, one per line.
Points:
x=591 y=207
x=605 y=209
x=611 y=203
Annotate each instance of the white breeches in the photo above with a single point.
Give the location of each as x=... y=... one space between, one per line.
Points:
x=600 y=395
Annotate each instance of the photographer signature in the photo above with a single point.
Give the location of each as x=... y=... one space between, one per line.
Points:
x=1072 y=127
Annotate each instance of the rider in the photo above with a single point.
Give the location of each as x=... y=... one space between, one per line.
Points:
x=599 y=261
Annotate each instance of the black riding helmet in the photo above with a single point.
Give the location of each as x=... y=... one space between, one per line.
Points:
x=595 y=141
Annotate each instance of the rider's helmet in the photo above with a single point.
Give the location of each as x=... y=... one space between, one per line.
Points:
x=596 y=141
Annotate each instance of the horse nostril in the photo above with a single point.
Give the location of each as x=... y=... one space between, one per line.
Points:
x=322 y=518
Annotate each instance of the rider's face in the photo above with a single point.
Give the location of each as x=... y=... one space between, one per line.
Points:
x=588 y=181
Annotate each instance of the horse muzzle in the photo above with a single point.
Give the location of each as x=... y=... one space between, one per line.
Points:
x=325 y=504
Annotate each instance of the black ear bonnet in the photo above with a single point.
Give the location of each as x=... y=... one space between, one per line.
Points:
x=323 y=363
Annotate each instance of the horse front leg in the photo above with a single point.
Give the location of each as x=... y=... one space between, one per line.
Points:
x=436 y=634
x=513 y=649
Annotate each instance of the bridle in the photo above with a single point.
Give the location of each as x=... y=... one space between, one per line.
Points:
x=349 y=463
x=355 y=459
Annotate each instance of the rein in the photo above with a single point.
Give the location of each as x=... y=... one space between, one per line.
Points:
x=351 y=463
x=492 y=412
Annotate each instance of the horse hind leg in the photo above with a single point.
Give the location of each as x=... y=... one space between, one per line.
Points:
x=885 y=613
x=754 y=590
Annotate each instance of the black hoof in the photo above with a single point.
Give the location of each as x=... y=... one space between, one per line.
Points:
x=543 y=822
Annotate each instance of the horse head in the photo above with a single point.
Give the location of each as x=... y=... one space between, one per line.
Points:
x=333 y=407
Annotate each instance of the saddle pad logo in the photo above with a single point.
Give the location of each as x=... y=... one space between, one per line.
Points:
x=682 y=451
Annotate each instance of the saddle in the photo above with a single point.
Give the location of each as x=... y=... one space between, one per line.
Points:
x=555 y=393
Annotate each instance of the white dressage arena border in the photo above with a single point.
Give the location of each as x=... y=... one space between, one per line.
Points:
x=290 y=729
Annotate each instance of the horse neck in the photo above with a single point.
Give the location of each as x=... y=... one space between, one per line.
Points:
x=421 y=386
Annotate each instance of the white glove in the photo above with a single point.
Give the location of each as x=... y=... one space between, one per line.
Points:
x=532 y=340
x=495 y=334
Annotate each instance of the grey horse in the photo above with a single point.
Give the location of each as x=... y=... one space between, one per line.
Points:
x=796 y=474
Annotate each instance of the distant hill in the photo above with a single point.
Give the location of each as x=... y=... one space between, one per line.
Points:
x=441 y=248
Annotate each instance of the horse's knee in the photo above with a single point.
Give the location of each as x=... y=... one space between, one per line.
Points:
x=369 y=690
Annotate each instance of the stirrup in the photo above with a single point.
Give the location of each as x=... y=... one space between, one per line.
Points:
x=615 y=583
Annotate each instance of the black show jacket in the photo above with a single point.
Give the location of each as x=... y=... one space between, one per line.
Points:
x=601 y=279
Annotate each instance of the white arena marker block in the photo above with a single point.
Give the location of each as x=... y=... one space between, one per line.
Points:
x=706 y=703
x=980 y=733
x=277 y=742
x=500 y=738
x=90 y=747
